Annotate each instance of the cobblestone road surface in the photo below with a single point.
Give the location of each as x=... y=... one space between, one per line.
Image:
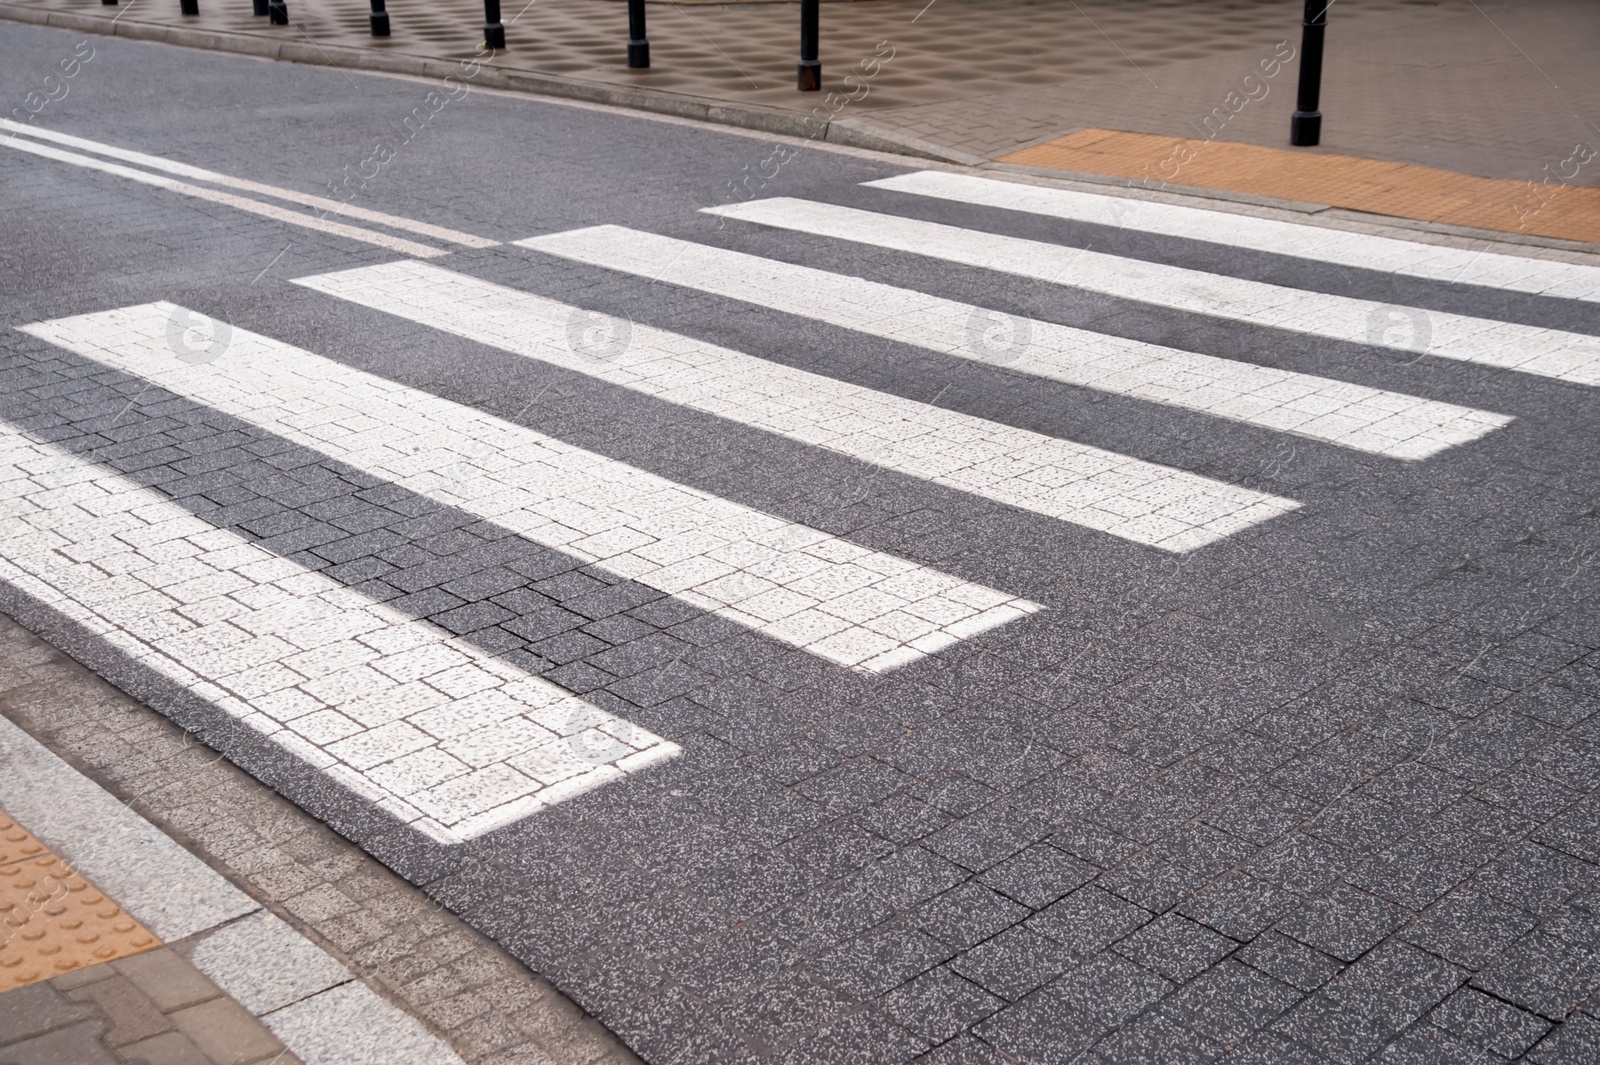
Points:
x=937 y=655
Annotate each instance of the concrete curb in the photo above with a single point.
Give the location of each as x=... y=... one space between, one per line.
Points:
x=853 y=133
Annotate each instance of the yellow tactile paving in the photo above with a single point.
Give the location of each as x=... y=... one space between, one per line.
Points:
x=51 y=919
x=1398 y=189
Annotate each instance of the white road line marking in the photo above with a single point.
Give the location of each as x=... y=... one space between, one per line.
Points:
x=195 y=173
x=1553 y=353
x=1354 y=416
x=842 y=602
x=438 y=733
x=1139 y=501
x=1516 y=273
x=266 y=210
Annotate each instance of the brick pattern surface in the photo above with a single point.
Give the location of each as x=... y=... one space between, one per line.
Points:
x=1323 y=791
x=154 y=1008
x=487 y=1006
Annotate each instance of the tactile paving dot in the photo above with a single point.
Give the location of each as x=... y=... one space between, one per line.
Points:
x=51 y=919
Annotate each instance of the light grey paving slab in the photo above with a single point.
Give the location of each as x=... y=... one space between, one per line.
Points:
x=351 y=1025
x=168 y=889
x=266 y=964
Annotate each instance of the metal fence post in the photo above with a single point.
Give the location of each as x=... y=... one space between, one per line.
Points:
x=638 y=43
x=380 y=19
x=810 y=73
x=494 y=31
x=1305 y=128
x=278 y=12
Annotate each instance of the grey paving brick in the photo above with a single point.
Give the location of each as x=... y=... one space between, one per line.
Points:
x=1427 y=1045
x=1089 y=919
x=1151 y=882
x=1039 y=875
x=1202 y=849
x=1333 y=1033
x=1537 y=878
x=1489 y=1023
x=1543 y=974
x=967 y=915
x=1152 y=1039
x=1576 y=1041
x=1016 y=962
x=1108 y=990
x=1470 y=928
x=940 y=1004
x=1261 y=814
x=1228 y=1002
x=1394 y=983
x=34 y=1009
x=1289 y=961
x=1344 y=923
x=1239 y=906
x=1040 y=1030
x=1175 y=947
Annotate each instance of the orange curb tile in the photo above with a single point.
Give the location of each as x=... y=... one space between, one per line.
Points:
x=52 y=920
x=1400 y=190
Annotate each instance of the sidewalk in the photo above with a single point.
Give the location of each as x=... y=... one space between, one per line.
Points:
x=1495 y=90
x=120 y=945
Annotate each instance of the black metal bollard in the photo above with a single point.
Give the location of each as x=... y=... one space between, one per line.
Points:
x=810 y=74
x=380 y=19
x=109 y=3
x=260 y=8
x=638 y=43
x=189 y=7
x=1305 y=128
x=494 y=31
x=278 y=12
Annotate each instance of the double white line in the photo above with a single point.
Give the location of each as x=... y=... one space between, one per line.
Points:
x=21 y=142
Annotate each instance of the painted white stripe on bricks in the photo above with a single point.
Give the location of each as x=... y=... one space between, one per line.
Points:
x=1354 y=416
x=1515 y=273
x=195 y=173
x=265 y=210
x=1553 y=353
x=842 y=602
x=1149 y=504
x=372 y=698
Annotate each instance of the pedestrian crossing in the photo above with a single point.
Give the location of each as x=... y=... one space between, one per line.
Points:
x=1366 y=419
x=1142 y=502
x=846 y=604
x=434 y=731
x=1340 y=247
x=453 y=739
x=1565 y=356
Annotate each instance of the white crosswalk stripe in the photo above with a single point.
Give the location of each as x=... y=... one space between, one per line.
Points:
x=438 y=733
x=1139 y=501
x=1554 y=353
x=844 y=603
x=1354 y=416
x=1366 y=251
